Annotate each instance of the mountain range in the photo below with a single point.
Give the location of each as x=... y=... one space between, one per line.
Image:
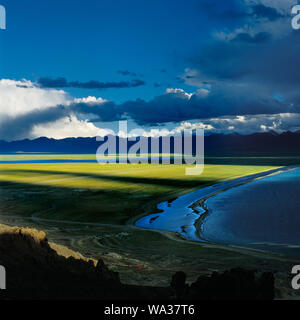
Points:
x=257 y=144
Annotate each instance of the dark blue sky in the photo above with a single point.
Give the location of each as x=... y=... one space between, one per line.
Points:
x=94 y=39
x=220 y=65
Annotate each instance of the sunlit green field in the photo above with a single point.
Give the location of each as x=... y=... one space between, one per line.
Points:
x=90 y=192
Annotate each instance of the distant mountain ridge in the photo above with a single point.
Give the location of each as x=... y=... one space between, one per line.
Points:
x=257 y=144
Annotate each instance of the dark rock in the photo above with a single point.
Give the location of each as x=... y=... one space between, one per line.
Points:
x=266 y=285
x=236 y=284
x=106 y=274
x=178 y=284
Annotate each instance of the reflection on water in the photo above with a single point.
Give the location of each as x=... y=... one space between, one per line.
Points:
x=181 y=214
x=263 y=214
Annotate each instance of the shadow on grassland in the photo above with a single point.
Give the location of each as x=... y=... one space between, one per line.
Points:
x=104 y=205
x=189 y=183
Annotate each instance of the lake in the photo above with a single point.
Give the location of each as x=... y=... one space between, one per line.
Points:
x=263 y=214
x=260 y=211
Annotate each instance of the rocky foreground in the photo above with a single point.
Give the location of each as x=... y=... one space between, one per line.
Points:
x=37 y=269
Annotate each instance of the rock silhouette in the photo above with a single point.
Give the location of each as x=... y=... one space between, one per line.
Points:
x=36 y=271
x=236 y=284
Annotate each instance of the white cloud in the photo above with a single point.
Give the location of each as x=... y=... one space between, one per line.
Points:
x=179 y=92
x=90 y=100
x=67 y=127
x=21 y=97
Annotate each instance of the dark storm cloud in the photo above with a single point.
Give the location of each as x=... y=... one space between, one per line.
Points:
x=63 y=83
x=272 y=63
x=17 y=127
x=105 y=112
x=13 y=128
x=224 y=60
x=176 y=107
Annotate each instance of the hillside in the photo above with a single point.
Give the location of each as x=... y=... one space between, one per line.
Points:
x=34 y=270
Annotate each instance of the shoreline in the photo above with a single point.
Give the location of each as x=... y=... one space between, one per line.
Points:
x=176 y=236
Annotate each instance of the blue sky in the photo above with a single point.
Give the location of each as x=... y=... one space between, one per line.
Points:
x=69 y=68
x=93 y=40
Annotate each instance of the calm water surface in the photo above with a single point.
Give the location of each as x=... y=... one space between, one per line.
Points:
x=262 y=214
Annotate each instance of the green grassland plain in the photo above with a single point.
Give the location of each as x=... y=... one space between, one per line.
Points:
x=110 y=193
x=87 y=206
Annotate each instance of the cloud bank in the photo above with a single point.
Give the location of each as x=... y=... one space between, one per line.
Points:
x=28 y=111
x=78 y=117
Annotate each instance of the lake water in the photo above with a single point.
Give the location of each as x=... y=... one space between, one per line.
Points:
x=263 y=214
x=260 y=211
